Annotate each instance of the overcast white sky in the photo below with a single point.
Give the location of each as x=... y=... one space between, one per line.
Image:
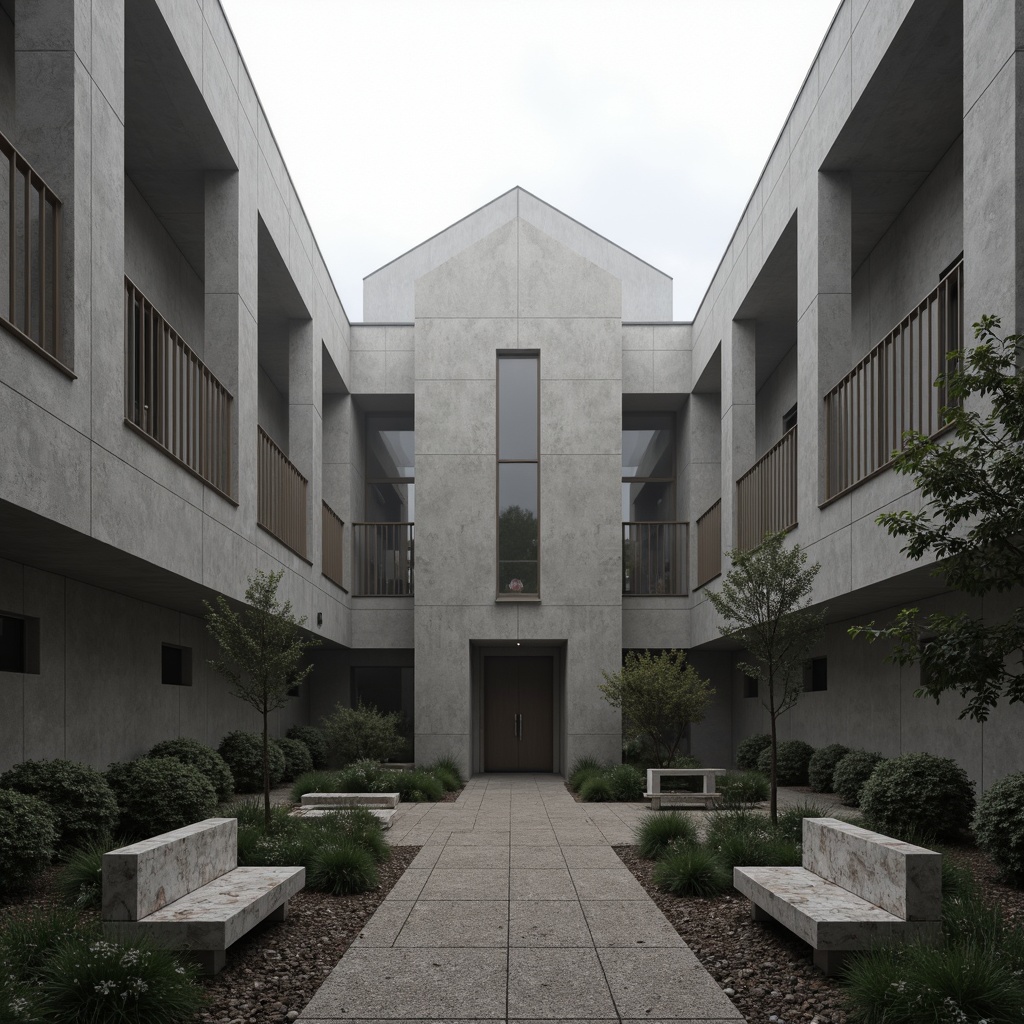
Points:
x=647 y=120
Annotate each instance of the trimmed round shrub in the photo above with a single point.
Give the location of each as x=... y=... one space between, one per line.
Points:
x=793 y=757
x=596 y=789
x=84 y=806
x=748 y=752
x=160 y=794
x=627 y=782
x=658 y=831
x=920 y=794
x=243 y=752
x=823 y=766
x=999 y=826
x=297 y=760
x=209 y=763
x=315 y=740
x=28 y=835
x=691 y=871
x=341 y=868
x=852 y=772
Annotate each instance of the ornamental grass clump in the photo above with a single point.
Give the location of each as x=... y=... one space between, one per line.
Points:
x=658 y=830
x=999 y=826
x=791 y=820
x=691 y=871
x=449 y=771
x=742 y=789
x=342 y=867
x=596 y=789
x=822 y=766
x=357 y=824
x=581 y=768
x=314 y=782
x=80 y=882
x=627 y=782
x=748 y=839
x=415 y=786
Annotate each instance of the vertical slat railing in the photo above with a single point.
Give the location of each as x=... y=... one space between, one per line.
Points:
x=766 y=494
x=32 y=309
x=891 y=390
x=281 y=496
x=384 y=559
x=171 y=397
x=709 y=544
x=654 y=559
x=333 y=545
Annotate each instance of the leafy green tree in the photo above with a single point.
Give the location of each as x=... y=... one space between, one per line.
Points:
x=659 y=695
x=362 y=733
x=262 y=649
x=764 y=601
x=972 y=518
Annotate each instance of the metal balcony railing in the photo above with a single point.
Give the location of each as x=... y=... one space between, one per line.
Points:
x=891 y=390
x=384 y=559
x=333 y=545
x=766 y=494
x=709 y=544
x=281 y=499
x=171 y=397
x=654 y=559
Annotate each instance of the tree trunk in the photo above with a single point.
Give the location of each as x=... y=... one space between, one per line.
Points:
x=266 y=774
x=774 y=807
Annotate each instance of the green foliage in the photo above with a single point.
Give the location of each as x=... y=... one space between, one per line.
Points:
x=357 y=824
x=627 y=782
x=765 y=602
x=581 y=768
x=243 y=752
x=314 y=782
x=316 y=743
x=749 y=750
x=210 y=764
x=362 y=733
x=793 y=758
x=999 y=826
x=365 y=777
x=449 y=771
x=919 y=792
x=744 y=838
x=658 y=830
x=659 y=695
x=415 y=786
x=691 y=871
x=28 y=835
x=741 y=789
x=343 y=867
x=79 y=796
x=972 y=522
x=297 y=760
x=160 y=794
x=80 y=882
x=852 y=772
x=822 y=767
x=596 y=789
x=791 y=820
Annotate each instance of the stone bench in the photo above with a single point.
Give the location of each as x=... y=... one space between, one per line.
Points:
x=706 y=798
x=184 y=890
x=349 y=800
x=855 y=889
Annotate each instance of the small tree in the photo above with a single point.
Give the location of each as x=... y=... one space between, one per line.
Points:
x=262 y=651
x=658 y=696
x=362 y=733
x=764 y=601
x=973 y=519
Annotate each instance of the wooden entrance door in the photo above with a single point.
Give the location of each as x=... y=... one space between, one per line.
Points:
x=518 y=714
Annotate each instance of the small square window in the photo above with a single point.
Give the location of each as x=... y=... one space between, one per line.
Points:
x=816 y=675
x=176 y=665
x=19 y=644
x=750 y=686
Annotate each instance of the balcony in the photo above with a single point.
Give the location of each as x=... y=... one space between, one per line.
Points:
x=281 y=498
x=33 y=267
x=766 y=494
x=171 y=397
x=383 y=559
x=654 y=559
x=333 y=545
x=891 y=390
x=709 y=544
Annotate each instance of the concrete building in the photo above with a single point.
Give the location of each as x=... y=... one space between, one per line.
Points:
x=520 y=466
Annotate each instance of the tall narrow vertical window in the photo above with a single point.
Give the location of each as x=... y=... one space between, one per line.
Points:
x=519 y=475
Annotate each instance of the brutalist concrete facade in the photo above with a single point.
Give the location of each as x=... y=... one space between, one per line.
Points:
x=898 y=156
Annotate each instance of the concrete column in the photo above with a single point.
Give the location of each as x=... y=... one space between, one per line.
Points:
x=702 y=463
x=305 y=424
x=738 y=396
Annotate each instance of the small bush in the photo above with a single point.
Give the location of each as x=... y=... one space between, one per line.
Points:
x=297 y=760
x=28 y=835
x=210 y=764
x=316 y=743
x=27 y=943
x=364 y=777
x=315 y=782
x=79 y=796
x=741 y=789
x=415 y=786
x=343 y=867
x=919 y=792
x=362 y=733
x=852 y=772
x=999 y=826
x=80 y=882
x=596 y=789
x=448 y=770
x=691 y=871
x=160 y=794
x=748 y=752
x=243 y=752
x=581 y=768
x=627 y=782
x=822 y=766
x=743 y=838
x=658 y=830
x=793 y=757
x=791 y=820
x=357 y=824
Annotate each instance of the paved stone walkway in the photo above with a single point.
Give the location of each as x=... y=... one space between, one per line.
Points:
x=517 y=909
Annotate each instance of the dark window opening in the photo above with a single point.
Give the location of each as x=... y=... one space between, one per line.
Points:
x=789 y=420
x=19 y=644
x=175 y=665
x=948 y=270
x=816 y=675
x=750 y=686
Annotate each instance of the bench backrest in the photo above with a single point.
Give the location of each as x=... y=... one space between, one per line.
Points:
x=141 y=878
x=902 y=879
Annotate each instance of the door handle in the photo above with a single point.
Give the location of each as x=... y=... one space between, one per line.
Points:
x=515 y=726
x=520 y=726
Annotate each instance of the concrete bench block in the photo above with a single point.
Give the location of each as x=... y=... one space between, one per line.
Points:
x=341 y=800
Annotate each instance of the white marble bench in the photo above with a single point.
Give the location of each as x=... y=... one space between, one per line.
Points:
x=349 y=800
x=184 y=890
x=855 y=889
x=708 y=797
